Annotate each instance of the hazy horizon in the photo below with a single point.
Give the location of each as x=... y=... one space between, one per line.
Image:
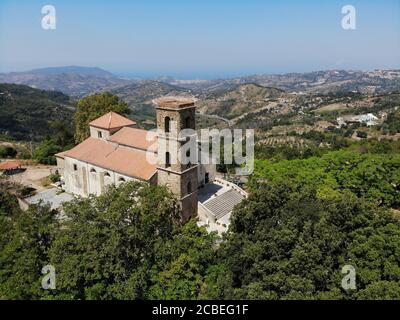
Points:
x=145 y=76
x=203 y=40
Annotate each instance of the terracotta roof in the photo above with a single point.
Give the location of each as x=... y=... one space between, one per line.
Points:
x=60 y=154
x=111 y=120
x=124 y=160
x=136 y=138
x=9 y=165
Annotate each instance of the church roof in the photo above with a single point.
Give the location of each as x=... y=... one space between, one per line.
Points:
x=111 y=120
x=128 y=161
x=136 y=138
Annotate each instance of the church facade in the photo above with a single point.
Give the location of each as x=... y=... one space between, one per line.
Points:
x=118 y=151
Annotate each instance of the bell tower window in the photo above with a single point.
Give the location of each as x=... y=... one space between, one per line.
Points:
x=187 y=123
x=167 y=160
x=167 y=124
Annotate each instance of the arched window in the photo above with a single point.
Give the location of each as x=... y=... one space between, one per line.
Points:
x=93 y=170
x=188 y=157
x=106 y=174
x=189 y=187
x=167 y=124
x=167 y=159
x=187 y=123
x=121 y=179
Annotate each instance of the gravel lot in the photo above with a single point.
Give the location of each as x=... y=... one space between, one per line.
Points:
x=33 y=175
x=50 y=196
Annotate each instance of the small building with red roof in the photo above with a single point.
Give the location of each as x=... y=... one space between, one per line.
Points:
x=10 y=166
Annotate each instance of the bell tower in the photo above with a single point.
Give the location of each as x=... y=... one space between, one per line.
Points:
x=175 y=114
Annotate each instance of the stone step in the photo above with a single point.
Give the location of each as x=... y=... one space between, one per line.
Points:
x=223 y=204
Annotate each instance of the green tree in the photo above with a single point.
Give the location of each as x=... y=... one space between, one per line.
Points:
x=125 y=244
x=381 y=290
x=373 y=176
x=92 y=107
x=184 y=261
x=63 y=136
x=45 y=152
x=24 y=254
x=7 y=152
x=107 y=245
x=290 y=242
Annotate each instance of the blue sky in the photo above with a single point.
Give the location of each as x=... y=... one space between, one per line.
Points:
x=200 y=38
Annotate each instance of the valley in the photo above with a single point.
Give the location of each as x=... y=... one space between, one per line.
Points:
x=272 y=105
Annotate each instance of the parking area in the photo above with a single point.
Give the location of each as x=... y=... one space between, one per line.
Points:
x=51 y=196
x=33 y=176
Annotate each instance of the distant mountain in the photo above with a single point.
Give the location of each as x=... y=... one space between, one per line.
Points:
x=26 y=113
x=90 y=71
x=320 y=81
x=73 y=81
x=227 y=103
x=139 y=95
x=78 y=81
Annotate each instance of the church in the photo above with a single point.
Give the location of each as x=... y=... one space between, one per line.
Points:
x=118 y=151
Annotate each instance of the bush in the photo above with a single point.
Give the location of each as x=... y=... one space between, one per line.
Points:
x=7 y=152
x=362 y=134
x=26 y=192
x=54 y=177
x=46 y=151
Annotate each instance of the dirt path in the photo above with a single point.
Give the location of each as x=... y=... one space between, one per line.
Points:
x=213 y=116
x=266 y=107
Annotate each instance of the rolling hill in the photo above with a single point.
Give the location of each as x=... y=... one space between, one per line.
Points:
x=328 y=81
x=26 y=113
x=139 y=96
x=73 y=81
x=231 y=103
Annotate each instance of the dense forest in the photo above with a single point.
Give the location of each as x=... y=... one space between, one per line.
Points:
x=29 y=114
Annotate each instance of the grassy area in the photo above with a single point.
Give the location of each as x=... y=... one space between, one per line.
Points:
x=332 y=107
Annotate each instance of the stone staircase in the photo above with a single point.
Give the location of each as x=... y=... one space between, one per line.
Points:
x=223 y=204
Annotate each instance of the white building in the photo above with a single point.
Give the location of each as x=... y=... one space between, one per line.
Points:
x=369 y=119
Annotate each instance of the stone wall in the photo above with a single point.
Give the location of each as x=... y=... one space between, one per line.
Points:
x=85 y=179
x=189 y=206
x=94 y=133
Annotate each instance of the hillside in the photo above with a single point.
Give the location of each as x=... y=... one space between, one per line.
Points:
x=308 y=125
x=139 y=96
x=73 y=81
x=26 y=113
x=238 y=101
x=319 y=81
